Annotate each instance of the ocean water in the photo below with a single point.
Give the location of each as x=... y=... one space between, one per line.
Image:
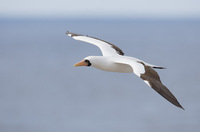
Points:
x=41 y=91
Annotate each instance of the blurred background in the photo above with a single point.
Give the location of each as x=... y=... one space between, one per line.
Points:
x=41 y=91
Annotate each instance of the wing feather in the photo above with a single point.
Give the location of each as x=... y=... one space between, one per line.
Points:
x=106 y=48
x=151 y=78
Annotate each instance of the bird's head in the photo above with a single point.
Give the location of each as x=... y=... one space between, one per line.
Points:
x=85 y=62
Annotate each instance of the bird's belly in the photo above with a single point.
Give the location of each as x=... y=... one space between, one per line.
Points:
x=116 y=67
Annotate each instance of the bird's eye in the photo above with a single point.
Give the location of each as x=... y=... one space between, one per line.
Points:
x=88 y=62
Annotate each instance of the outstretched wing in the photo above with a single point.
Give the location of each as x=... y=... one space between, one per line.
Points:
x=151 y=78
x=106 y=48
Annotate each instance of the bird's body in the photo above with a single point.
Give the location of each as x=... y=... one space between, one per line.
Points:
x=113 y=60
x=109 y=64
x=116 y=63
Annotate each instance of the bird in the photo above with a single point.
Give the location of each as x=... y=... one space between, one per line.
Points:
x=114 y=60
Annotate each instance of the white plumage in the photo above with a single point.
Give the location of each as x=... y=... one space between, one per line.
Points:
x=113 y=60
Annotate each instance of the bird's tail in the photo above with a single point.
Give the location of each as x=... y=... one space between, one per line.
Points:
x=154 y=66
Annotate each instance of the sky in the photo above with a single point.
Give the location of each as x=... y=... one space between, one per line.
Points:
x=100 y=8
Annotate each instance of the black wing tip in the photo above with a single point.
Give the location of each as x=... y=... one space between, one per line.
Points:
x=182 y=108
x=73 y=34
x=68 y=33
x=179 y=105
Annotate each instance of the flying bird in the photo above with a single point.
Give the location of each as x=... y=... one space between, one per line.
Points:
x=113 y=60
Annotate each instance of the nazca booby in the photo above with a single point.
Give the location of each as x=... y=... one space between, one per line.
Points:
x=113 y=60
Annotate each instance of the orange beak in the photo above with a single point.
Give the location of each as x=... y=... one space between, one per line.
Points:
x=81 y=63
